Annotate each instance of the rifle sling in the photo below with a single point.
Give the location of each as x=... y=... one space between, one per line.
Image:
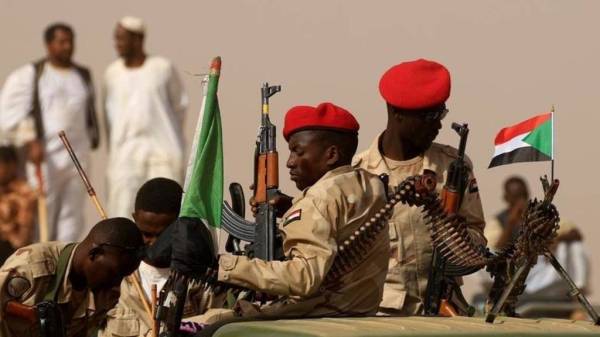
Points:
x=61 y=271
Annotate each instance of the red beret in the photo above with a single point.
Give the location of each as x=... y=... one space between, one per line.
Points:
x=324 y=116
x=415 y=85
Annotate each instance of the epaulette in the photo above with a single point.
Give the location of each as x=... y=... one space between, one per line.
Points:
x=452 y=152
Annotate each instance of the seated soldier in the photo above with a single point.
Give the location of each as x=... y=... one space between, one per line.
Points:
x=335 y=201
x=157 y=205
x=17 y=205
x=79 y=277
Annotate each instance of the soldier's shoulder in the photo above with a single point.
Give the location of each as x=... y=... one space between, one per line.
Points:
x=444 y=152
x=350 y=181
x=35 y=260
x=360 y=158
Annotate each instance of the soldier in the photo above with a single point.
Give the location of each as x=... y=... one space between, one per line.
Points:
x=157 y=205
x=335 y=200
x=416 y=94
x=78 y=277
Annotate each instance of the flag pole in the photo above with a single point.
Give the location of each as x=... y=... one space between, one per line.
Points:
x=552 y=162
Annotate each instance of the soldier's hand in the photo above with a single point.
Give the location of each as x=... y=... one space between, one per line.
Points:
x=282 y=202
x=35 y=152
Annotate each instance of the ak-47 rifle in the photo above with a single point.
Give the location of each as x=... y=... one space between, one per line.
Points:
x=262 y=233
x=512 y=265
x=441 y=285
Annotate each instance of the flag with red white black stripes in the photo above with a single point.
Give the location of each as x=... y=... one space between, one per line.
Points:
x=530 y=140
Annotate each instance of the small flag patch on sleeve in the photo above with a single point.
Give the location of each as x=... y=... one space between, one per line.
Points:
x=295 y=215
x=473 y=186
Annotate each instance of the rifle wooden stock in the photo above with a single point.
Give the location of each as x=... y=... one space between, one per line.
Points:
x=19 y=310
x=272 y=170
x=260 y=188
x=446 y=309
x=450 y=201
x=267 y=175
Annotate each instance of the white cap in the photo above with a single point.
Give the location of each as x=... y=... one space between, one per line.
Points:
x=133 y=24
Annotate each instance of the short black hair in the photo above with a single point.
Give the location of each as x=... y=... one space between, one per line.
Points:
x=159 y=195
x=51 y=30
x=346 y=142
x=117 y=232
x=8 y=154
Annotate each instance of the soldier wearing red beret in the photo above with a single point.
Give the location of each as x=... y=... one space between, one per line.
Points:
x=335 y=200
x=416 y=94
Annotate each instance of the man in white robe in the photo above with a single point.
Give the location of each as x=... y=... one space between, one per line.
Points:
x=37 y=101
x=145 y=104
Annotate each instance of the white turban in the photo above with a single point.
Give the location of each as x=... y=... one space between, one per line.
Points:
x=133 y=24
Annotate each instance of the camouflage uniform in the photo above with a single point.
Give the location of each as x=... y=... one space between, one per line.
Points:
x=411 y=250
x=29 y=272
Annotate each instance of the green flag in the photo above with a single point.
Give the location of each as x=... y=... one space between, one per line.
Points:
x=203 y=187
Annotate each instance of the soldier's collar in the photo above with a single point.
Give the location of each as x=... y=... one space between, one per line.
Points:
x=375 y=157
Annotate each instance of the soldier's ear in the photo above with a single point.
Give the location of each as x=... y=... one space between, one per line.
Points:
x=332 y=155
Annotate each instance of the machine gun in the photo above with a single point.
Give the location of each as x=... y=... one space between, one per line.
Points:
x=511 y=267
x=441 y=285
x=263 y=233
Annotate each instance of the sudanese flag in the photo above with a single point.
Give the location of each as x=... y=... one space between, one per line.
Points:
x=530 y=140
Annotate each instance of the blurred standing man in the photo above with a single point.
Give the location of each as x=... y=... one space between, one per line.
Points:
x=416 y=94
x=503 y=229
x=145 y=105
x=38 y=100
